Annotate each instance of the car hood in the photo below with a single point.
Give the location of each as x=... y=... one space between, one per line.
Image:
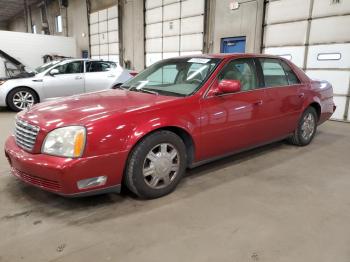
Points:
x=89 y=108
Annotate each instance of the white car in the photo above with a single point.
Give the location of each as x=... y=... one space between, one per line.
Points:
x=59 y=79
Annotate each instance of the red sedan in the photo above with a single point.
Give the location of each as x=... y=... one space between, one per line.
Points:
x=176 y=114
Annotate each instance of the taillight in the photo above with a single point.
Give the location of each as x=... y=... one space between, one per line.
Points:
x=133 y=73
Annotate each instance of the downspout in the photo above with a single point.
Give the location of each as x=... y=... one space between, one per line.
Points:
x=120 y=32
x=88 y=10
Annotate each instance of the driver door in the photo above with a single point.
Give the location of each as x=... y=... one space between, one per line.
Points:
x=69 y=80
x=234 y=121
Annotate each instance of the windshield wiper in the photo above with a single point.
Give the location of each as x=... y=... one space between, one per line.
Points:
x=134 y=88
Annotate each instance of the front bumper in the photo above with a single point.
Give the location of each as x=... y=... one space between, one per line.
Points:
x=60 y=175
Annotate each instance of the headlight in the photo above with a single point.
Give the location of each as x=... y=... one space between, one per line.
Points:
x=2 y=81
x=65 y=141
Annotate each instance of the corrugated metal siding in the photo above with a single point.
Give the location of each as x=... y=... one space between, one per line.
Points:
x=173 y=27
x=104 y=35
x=315 y=35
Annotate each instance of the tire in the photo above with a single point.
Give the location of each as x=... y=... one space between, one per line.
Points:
x=20 y=98
x=156 y=165
x=306 y=129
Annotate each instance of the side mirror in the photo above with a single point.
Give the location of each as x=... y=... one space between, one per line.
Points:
x=228 y=86
x=54 y=72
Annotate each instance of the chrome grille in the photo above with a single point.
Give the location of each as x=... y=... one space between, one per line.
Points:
x=25 y=134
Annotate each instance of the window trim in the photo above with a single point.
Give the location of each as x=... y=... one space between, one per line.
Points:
x=279 y=62
x=216 y=79
x=55 y=66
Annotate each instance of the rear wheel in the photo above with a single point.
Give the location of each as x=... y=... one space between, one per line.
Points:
x=20 y=98
x=306 y=129
x=156 y=165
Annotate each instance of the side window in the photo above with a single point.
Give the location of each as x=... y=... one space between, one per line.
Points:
x=292 y=78
x=274 y=74
x=242 y=70
x=70 y=68
x=164 y=75
x=97 y=66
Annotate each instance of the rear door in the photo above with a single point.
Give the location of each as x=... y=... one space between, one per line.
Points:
x=232 y=122
x=69 y=81
x=284 y=97
x=99 y=75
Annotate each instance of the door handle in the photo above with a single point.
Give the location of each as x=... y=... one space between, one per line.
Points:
x=301 y=95
x=258 y=103
x=78 y=77
x=111 y=76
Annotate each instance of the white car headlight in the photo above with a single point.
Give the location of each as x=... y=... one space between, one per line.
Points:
x=2 y=82
x=65 y=141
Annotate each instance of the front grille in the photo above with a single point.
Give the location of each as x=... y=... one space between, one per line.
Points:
x=37 y=181
x=25 y=134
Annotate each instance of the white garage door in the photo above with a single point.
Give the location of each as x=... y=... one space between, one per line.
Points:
x=104 y=38
x=173 y=28
x=316 y=38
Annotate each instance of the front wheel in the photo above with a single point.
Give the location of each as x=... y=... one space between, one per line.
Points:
x=156 y=165
x=306 y=129
x=20 y=98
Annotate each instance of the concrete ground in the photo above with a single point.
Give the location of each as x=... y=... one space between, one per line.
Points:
x=276 y=203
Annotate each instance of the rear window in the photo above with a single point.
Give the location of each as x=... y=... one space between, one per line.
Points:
x=291 y=76
x=273 y=71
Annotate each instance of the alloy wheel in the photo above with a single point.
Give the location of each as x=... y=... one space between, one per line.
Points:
x=23 y=99
x=308 y=126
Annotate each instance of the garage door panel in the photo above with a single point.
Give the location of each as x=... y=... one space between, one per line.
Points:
x=192 y=25
x=103 y=38
x=153 y=3
x=113 y=24
x=324 y=8
x=112 y=12
x=280 y=11
x=93 y=29
x=191 y=42
x=95 y=50
x=192 y=8
x=154 y=15
x=102 y=15
x=104 y=50
x=317 y=56
x=170 y=55
x=94 y=18
x=113 y=48
x=340 y=102
x=286 y=34
x=295 y=54
x=151 y=58
x=171 y=44
x=171 y=28
x=165 y=2
x=323 y=30
x=189 y=53
x=102 y=27
x=113 y=37
x=154 y=45
x=339 y=79
x=154 y=30
x=114 y=58
x=94 y=39
x=171 y=12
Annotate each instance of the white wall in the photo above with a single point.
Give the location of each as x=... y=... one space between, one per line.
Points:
x=29 y=49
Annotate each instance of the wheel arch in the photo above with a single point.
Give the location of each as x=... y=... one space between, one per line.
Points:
x=32 y=89
x=179 y=131
x=317 y=107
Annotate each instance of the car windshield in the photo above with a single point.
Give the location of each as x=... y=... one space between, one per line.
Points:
x=173 y=77
x=46 y=66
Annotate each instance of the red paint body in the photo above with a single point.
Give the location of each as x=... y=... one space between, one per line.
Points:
x=116 y=120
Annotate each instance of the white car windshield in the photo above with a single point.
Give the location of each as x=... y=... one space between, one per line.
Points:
x=46 y=66
x=173 y=77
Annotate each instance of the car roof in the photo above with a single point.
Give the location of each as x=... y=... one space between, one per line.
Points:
x=229 y=56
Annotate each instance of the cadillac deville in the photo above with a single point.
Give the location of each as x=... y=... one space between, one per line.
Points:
x=177 y=114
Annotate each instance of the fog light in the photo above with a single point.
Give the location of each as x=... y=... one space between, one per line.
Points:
x=92 y=182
